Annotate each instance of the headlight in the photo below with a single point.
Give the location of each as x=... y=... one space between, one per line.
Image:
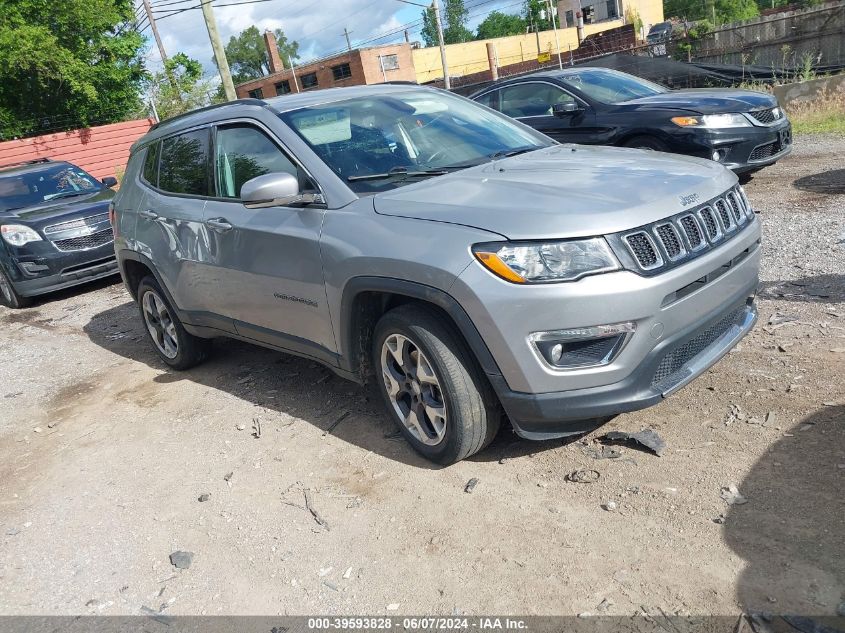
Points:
x=18 y=235
x=712 y=121
x=538 y=262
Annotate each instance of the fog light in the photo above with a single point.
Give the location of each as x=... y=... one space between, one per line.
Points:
x=32 y=268
x=592 y=346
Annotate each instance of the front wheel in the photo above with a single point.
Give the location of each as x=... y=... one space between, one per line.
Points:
x=647 y=142
x=432 y=386
x=9 y=297
x=174 y=345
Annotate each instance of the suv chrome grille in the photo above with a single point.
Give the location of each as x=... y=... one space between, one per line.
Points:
x=86 y=241
x=672 y=241
x=695 y=239
x=644 y=250
x=91 y=220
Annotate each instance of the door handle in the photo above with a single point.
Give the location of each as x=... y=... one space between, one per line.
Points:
x=149 y=214
x=218 y=224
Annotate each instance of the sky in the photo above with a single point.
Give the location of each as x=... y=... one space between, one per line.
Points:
x=316 y=24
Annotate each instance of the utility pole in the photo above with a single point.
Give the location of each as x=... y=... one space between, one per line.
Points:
x=152 y=20
x=552 y=11
x=293 y=72
x=219 y=52
x=436 y=7
x=346 y=34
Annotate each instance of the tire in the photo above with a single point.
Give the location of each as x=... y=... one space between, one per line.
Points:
x=647 y=142
x=447 y=378
x=9 y=297
x=173 y=344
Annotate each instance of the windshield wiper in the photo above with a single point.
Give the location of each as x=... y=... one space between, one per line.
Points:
x=394 y=172
x=66 y=194
x=506 y=153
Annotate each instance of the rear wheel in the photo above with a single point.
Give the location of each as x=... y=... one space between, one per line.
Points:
x=647 y=142
x=9 y=297
x=432 y=386
x=174 y=345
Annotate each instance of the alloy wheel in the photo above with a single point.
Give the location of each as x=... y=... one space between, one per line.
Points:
x=413 y=389
x=160 y=324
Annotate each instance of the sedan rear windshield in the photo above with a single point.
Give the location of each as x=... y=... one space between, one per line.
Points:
x=32 y=187
x=608 y=86
x=382 y=142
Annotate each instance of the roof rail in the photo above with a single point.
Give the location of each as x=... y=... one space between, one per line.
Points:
x=34 y=161
x=249 y=101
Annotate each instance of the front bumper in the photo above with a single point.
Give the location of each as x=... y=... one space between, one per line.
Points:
x=675 y=339
x=743 y=149
x=39 y=267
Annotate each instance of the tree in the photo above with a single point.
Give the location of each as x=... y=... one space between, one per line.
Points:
x=65 y=65
x=533 y=13
x=179 y=87
x=454 y=15
x=724 y=11
x=247 y=54
x=498 y=24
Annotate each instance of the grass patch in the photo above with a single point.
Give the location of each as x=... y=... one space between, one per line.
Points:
x=823 y=115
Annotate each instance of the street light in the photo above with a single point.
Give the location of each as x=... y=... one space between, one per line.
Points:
x=436 y=8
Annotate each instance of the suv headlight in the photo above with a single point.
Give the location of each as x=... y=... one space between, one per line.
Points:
x=712 y=121
x=18 y=235
x=544 y=262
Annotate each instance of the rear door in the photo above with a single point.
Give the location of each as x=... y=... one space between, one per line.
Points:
x=168 y=230
x=265 y=263
x=532 y=103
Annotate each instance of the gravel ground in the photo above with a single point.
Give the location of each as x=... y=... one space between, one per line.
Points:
x=106 y=458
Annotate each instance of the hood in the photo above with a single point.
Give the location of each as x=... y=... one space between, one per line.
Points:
x=62 y=209
x=561 y=191
x=705 y=101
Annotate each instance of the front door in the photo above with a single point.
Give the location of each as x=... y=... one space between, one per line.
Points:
x=532 y=103
x=265 y=263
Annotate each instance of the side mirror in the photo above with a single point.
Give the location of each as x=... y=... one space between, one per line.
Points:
x=279 y=189
x=566 y=109
x=109 y=181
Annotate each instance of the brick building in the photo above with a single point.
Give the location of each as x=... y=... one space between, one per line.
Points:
x=373 y=65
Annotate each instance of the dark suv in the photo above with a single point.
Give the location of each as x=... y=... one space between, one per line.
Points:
x=55 y=229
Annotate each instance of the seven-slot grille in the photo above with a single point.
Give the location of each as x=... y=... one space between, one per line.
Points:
x=86 y=241
x=674 y=239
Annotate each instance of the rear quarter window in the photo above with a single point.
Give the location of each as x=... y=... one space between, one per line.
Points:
x=150 y=172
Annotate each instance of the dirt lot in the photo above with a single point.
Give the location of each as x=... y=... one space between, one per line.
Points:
x=104 y=453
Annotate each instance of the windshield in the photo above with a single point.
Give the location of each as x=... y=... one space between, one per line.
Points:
x=610 y=86
x=381 y=142
x=32 y=187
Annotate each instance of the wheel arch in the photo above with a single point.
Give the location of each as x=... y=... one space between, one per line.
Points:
x=366 y=299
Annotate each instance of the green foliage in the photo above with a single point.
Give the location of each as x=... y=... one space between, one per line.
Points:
x=498 y=24
x=632 y=16
x=247 y=54
x=725 y=10
x=179 y=87
x=68 y=64
x=532 y=12
x=454 y=15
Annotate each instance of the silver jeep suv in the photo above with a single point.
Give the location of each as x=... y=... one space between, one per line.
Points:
x=470 y=264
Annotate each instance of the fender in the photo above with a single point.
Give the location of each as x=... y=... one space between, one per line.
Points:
x=429 y=294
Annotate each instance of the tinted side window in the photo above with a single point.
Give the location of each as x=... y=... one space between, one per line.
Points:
x=184 y=163
x=532 y=99
x=491 y=99
x=150 y=172
x=244 y=152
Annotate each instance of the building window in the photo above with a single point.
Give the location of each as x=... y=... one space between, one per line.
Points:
x=570 y=19
x=283 y=87
x=390 y=62
x=612 y=13
x=309 y=81
x=258 y=93
x=343 y=71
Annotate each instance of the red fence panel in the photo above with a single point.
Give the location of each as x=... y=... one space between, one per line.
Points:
x=102 y=151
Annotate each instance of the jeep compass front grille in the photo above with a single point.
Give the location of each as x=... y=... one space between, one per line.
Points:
x=672 y=241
